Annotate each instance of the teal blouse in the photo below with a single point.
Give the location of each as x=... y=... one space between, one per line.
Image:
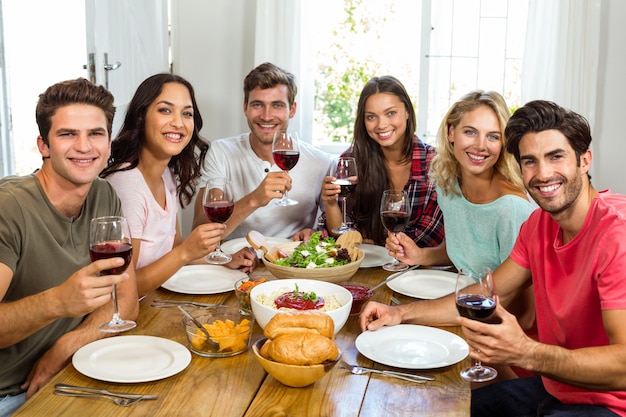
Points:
x=481 y=234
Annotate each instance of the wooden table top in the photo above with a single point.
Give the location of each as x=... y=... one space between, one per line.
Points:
x=238 y=386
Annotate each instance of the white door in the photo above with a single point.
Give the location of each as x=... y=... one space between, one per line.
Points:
x=46 y=42
x=127 y=41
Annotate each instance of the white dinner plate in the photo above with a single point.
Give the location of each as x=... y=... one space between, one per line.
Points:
x=131 y=359
x=232 y=246
x=374 y=255
x=412 y=347
x=424 y=283
x=203 y=279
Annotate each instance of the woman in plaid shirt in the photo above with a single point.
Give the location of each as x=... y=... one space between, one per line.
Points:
x=388 y=156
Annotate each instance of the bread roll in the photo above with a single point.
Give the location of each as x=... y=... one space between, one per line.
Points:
x=304 y=322
x=300 y=349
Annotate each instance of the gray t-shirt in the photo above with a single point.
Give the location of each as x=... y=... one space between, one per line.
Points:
x=43 y=248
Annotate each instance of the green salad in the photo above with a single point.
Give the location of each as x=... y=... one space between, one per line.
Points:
x=316 y=253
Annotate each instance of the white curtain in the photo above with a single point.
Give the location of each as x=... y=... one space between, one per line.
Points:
x=277 y=40
x=561 y=54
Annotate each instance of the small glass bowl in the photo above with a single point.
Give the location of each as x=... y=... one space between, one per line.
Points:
x=230 y=331
x=242 y=291
x=361 y=293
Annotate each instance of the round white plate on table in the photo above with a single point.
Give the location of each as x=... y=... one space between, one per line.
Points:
x=412 y=347
x=232 y=246
x=131 y=359
x=424 y=283
x=203 y=279
x=374 y=255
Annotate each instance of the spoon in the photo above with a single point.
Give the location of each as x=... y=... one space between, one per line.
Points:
x=199 y=326
x=392 y=277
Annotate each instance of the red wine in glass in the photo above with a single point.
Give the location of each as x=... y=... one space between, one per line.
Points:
x=395 y=221
x=346 y=177
x=475 y=299
x=286 y=153
x=107 y=250
x=218 y=202
x=109 y=237
x=219 y=212
x=395 y=212
x=476 y=307
x=286 y=160
x=346 y=187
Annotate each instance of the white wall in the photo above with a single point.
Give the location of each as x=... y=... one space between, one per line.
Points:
x=213 y=47
x=609 y=138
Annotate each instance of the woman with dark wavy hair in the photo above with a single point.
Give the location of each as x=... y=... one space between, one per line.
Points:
x=154 y=167
x=388 y=156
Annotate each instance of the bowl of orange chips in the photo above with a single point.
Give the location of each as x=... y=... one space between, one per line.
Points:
x=229 y=331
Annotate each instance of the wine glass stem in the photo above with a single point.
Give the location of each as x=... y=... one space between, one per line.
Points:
x=285 y=194
x=395 y=257
x=343 y=208
x=116 y=311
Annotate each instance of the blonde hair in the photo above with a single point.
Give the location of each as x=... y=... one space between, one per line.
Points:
x=445 y=169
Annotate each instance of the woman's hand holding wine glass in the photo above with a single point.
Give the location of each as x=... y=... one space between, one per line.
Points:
x=395 y=212
x=109 y=237
x=286 y=152
x=346 y=176
x=218 y=204
x=476 y=302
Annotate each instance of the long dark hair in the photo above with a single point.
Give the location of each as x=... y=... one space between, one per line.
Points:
x=125 y=148
x=365 y=200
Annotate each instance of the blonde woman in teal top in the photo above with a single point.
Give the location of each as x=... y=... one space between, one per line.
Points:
x=479 y=191
x=479 y=188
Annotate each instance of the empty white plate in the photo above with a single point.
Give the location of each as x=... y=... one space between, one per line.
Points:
x=131 y=359
x=424 y=283
x=203 y=279
x=374 y=255
x=412 y=347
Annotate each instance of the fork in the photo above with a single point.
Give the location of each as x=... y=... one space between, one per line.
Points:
x=117 y=400
x=361 y=370
x=160 y=302
x=86 y=390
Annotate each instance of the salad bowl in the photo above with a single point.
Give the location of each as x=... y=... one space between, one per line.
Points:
x=334 y=274
x=316 y=259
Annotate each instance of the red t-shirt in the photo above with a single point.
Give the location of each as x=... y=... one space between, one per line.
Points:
x=573 y=283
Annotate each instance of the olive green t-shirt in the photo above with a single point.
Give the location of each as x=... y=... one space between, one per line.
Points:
x=43 y=248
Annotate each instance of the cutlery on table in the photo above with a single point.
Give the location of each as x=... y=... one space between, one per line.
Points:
x=392 y=277
x=161 y=302
x=395 y=300
x=361 y=370
x=119 y=398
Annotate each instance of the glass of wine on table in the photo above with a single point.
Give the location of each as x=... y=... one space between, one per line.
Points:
x=218 y=203
x=395 y=212
x=347 y=177
x=286 y=152
x=475 y=299
x=109 y=237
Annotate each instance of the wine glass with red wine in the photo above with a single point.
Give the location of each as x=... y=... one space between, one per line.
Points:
x=475 y=299
x=109 y=237
x=395 y=212
x=347 y=177
x=218 y=203
x=286 y=152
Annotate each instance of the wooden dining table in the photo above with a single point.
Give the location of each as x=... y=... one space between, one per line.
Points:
x=238 y=386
